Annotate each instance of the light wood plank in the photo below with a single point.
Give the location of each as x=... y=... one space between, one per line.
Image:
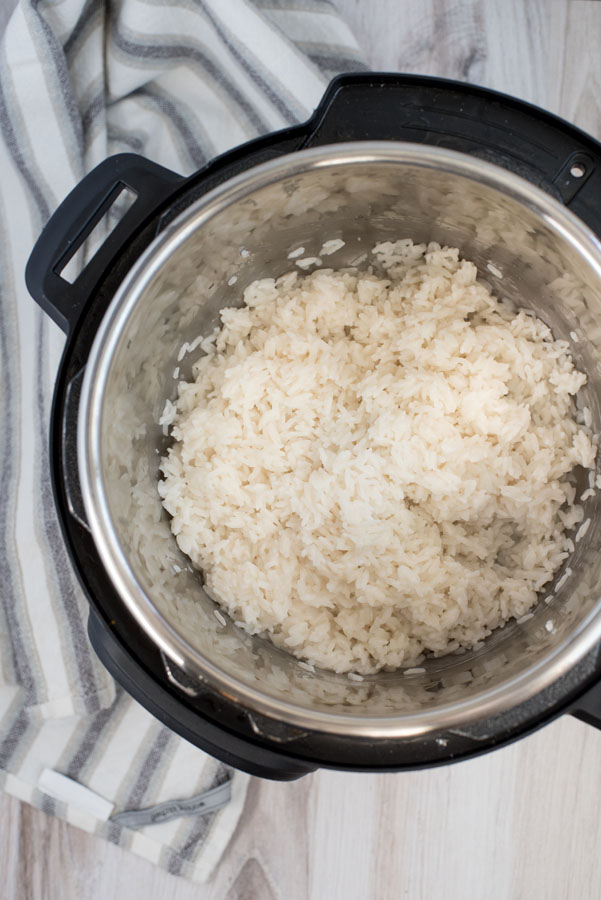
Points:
x=515 y=46
x=581 y=87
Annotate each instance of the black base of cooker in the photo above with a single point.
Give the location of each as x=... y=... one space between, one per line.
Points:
x=542 y=148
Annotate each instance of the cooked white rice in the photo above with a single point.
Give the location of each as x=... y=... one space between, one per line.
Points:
x=368 y=468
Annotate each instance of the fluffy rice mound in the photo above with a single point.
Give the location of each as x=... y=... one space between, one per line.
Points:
x=369 y=467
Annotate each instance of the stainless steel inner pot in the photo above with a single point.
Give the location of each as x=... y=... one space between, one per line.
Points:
x=526 y=246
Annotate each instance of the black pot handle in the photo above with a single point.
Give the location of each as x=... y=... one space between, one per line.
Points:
x=75 y=219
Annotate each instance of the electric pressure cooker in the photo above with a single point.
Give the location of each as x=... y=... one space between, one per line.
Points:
x=384 y=156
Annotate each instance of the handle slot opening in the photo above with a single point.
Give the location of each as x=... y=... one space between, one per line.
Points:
x=109 y=213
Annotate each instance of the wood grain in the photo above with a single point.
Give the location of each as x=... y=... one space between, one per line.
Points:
x=516 y=46
x=519 y=824
x=581 y=83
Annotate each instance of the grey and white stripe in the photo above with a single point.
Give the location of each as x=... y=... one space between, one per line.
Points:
x=54 y=569
x=18 y=659
x=79 y=80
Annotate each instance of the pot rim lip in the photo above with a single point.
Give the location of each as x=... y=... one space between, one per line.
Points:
x=482 y=705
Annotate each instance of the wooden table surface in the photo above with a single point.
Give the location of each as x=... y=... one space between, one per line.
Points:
x=523 y=823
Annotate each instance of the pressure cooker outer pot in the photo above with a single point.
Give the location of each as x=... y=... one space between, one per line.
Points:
x=540 y=147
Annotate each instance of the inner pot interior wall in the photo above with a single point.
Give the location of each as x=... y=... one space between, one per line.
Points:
x=517 y=253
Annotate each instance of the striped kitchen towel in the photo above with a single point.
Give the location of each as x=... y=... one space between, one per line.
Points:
x=178 y=82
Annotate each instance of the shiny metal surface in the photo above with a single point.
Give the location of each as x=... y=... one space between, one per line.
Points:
x=527 y=247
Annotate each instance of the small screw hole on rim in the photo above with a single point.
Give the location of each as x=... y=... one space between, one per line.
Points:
x=577 y=170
